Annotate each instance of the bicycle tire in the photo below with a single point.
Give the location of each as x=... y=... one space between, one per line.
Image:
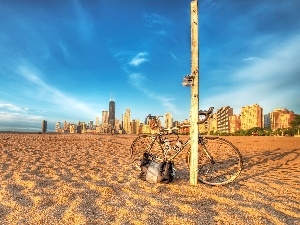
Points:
x=227 y=159
x=142 y=144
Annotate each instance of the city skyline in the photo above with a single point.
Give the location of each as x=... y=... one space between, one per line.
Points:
x=105 y=115
x=62 y=60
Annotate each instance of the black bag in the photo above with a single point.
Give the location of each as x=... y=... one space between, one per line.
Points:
x=155 y=172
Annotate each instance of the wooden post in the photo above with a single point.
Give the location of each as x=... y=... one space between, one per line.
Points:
x=194 y=93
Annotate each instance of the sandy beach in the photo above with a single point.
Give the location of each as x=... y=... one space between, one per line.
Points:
x=88 y=179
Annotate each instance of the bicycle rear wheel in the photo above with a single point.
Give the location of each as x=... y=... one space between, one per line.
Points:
x=144 y=143
x=220 y=162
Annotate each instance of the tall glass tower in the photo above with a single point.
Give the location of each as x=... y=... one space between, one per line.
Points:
x=111 y=113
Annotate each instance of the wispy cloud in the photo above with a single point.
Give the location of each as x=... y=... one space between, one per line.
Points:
x=174 y=56
x=9 y=116
x=65 y=51
x=155 y=19
x=139 y=82
x=157 y=24
x=11 y=112
x=211 y=4
x=12 y=108
x=282 y=61
x=161 y=33
x=58 y=98
x=272 y=81
x=84 y=21
x=250 y=59
x=136 y=79
x=140 y=58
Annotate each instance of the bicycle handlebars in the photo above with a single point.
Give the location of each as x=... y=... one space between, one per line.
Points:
x=205 y=113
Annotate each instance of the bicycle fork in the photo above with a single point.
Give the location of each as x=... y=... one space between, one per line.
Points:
x=202 y=143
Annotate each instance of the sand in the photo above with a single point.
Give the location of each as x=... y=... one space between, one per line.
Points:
x=88 y=179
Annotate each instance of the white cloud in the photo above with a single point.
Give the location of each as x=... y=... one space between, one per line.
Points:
x=12 y=107
x=162 y=32
x=138 y=81
x=155 y=19
x=281 y=63
x=211 y=4
x=174 y=56
x=272 y=81
x=58 y=98
x=85 y=23
x=7 y=115
x=12 y=113
x=139 y=59
x=65 y=51
x=250 y=59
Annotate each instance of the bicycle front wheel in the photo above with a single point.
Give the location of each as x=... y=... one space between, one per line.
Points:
x=142 y=144
x=220 y=162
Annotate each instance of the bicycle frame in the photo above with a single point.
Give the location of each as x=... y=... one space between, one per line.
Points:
x=178 y=150
x=183 y=145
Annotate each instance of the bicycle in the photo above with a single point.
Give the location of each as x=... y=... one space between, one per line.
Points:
x=219 y=161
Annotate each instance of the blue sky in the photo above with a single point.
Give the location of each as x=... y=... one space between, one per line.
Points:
x=64 y=60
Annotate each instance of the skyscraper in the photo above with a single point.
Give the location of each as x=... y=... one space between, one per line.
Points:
x=168 y=121
x=57 y=127
x=104 y=118
x=127 y=127
x=251 y=116
x=44 y=126
x=223 y=115
x=111 y=113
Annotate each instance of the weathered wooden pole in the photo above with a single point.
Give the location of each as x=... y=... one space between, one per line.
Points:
x=194 y=93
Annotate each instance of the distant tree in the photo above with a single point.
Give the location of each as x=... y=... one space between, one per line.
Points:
x=243 y=133
x=278 y=131
x=289 y=132
x=296 y=122
x=259 y=131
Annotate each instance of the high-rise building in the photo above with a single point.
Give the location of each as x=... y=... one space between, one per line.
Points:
x=111 y=114
x=91 y=124
x=126 y=125
x=104 y=118
x=267 y=121
x=212 y=124
x=117 y=125
x=251 y=116
x=168 y=121
x=223 y=119
x=281 y=118
x=97 y=121
x=44 y=126
x=235 y=123
x=57 y=127
x=66 y=126
x=72 y=128
x=135 y=126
